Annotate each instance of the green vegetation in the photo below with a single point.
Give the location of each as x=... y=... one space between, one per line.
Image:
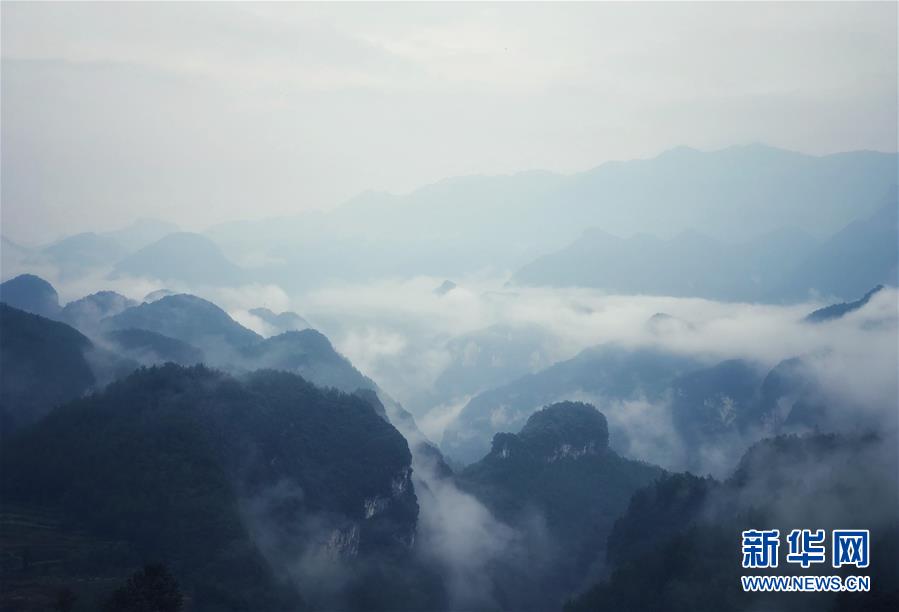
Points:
x=678 y=546
x=558 y=482
x=169 y=459
x=42 y=365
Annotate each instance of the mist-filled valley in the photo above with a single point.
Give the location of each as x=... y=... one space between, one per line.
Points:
x=413 y=441
x=449 y=308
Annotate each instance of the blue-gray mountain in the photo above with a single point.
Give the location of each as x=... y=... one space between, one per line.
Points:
x=707 y=412
x=836 y=311
x=677 y=546
x=182 y=256
x=86 y=313
x=732 y=195
x=608 y=372
x=231 y=482
x=281 y=322
x=785 y=265
x=43 y=363
x=32 y=294
x=557 y=483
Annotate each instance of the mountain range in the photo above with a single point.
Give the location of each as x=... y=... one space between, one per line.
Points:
x=785 y=265
x=745 y=223
x=735 y=195
x=222 y=477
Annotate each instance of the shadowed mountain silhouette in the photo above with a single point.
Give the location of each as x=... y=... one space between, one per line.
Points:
x=32 y=294
x=836 y=311
x=560 y=485
x=87 y=312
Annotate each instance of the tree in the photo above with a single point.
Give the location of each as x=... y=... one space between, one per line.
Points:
x=65 y=600
x=152 y=589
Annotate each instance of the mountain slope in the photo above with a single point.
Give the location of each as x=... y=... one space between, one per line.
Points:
x=609 y=372
x=761 y=188
x=836 y=311
x=87 y=312
x=560 y=485
x=142 y=233
x=43 y=364
x=149 y=348
x=862 y=255
x=231 y=482
x=182 y=256
x=687 y=265
x=32 y=294
x=81 y=253
x=310 y=354
x=677 y=546
x=280 y=322
x=190 y=319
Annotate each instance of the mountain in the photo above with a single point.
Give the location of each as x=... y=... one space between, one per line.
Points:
x=794 y=398
x=80 y=254
x=158 y=294
x=733 y=195
x=714 y=408
x=560 y=485
x=310 y=354
x=609 y=372
x=836 y=311
x=32 y=294
x=183 y=256
x=149 y=348
x=280 y=322
x=487 y=358
x=687 y=265
x=185 y=327
x=190 y=319
x=862 y=255
x=764 y=187
x=677 y=546
x=13 y=254
x=141 y=233
x=244 y=487
x=86 y=313
x=43 y=363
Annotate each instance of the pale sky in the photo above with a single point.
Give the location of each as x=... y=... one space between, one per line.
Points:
x=201 y=113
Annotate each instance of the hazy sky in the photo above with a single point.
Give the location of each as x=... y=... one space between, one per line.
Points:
x=200 y=113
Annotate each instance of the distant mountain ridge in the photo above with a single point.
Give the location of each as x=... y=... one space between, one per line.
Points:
x=786 y=265
x=732 y=195
x=836 y=311
x=182 y=256
x=687 y=265
x=280 y=322
x=610 y=371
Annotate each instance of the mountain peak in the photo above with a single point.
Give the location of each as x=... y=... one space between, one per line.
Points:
x=32 y=294
x=558 y=431
x=567 y=424
x=184 y=256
